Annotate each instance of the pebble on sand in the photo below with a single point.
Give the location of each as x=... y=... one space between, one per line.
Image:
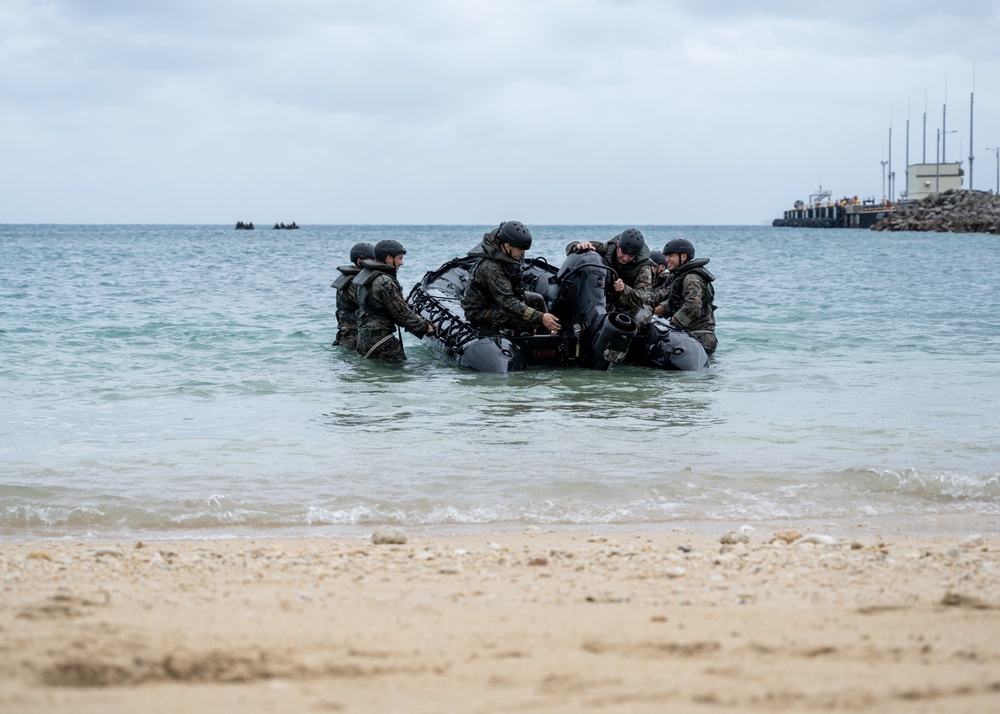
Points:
x=786 y=536
x=816 y=539
x=734 y=537
x=973 y=541
x=388 y=535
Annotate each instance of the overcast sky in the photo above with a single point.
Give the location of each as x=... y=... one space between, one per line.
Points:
x=474 y=111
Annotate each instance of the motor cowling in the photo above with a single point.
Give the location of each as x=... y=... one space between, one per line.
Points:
x=613 y=340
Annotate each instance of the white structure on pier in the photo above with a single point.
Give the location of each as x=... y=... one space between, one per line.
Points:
x=927 y=179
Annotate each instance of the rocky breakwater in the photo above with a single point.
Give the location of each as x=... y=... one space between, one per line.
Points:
x=954 y=211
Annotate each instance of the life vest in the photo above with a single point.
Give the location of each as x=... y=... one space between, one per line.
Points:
x=629 y=271
x=475 y=294
x=675 y=299
x=367 y=305
x=347 y=273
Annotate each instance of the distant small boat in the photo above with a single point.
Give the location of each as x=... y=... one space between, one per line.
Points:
x=282 y=226
x=241 y=226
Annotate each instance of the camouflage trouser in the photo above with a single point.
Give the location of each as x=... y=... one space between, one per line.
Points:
x=503 y=320
x=707 y=339
x=348 y=339
x=380 y=344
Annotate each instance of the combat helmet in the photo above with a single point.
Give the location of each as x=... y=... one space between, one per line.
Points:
x=679 y=245
x=657 y=257
x=515 y=233
x=385 y=248
x=362 y=250
x=631 y=242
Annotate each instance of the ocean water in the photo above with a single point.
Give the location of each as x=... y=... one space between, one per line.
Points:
x=179 y=381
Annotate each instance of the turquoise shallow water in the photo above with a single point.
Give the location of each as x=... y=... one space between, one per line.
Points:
x=180 y=380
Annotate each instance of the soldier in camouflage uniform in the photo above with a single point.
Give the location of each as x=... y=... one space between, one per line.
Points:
x=495 y=295
x=658 y=264
x=688 y=296
x=347 y=303
x=628 y=255
x=381 y=305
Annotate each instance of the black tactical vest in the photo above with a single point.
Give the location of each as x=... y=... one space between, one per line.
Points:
x=627 y=272
x=363 y=287
x=675 y=300
x=347 y=272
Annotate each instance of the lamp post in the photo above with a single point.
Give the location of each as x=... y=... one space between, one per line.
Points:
x=997 y=152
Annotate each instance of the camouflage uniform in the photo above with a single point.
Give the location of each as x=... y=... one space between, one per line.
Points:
x=381 y=307
x=637 y=275
x=495 y=295
x=347 y=308
x=688 y=296
x=659 y=282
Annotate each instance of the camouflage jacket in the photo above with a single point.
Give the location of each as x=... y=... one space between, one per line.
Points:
x=637 y=275
x=381 y=305
x=659 y=282
x=496 y=282
x=688 y=296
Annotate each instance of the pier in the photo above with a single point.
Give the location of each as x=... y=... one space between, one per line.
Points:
x=835 y=215
x=821 y=212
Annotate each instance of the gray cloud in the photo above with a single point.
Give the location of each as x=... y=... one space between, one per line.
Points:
x=392 y=111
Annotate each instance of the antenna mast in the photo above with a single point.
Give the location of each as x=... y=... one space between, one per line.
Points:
x=883 y=162
x=972 y=103
x=906 y=186
x=944 y=125
x=924 y=161
x=892 y=176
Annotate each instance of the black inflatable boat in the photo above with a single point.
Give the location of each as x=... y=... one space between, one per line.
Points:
x=592 y=336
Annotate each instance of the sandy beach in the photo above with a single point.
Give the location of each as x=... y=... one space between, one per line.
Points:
x=761 y=619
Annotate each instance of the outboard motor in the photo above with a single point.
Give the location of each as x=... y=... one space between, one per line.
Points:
x=581 y=302
x=612 y=341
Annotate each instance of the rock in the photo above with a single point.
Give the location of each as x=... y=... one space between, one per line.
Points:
x=539 y=561
x=973 y=541
x=816 y=539
x=676 y=572
x=786 y=536
x=961 y=211
x=952 y=599
x=733 y=537
x=388 y=535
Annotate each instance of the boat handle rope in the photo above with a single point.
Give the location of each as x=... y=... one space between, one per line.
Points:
x=447 y=326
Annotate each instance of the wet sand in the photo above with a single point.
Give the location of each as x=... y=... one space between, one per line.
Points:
x=529 y=621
